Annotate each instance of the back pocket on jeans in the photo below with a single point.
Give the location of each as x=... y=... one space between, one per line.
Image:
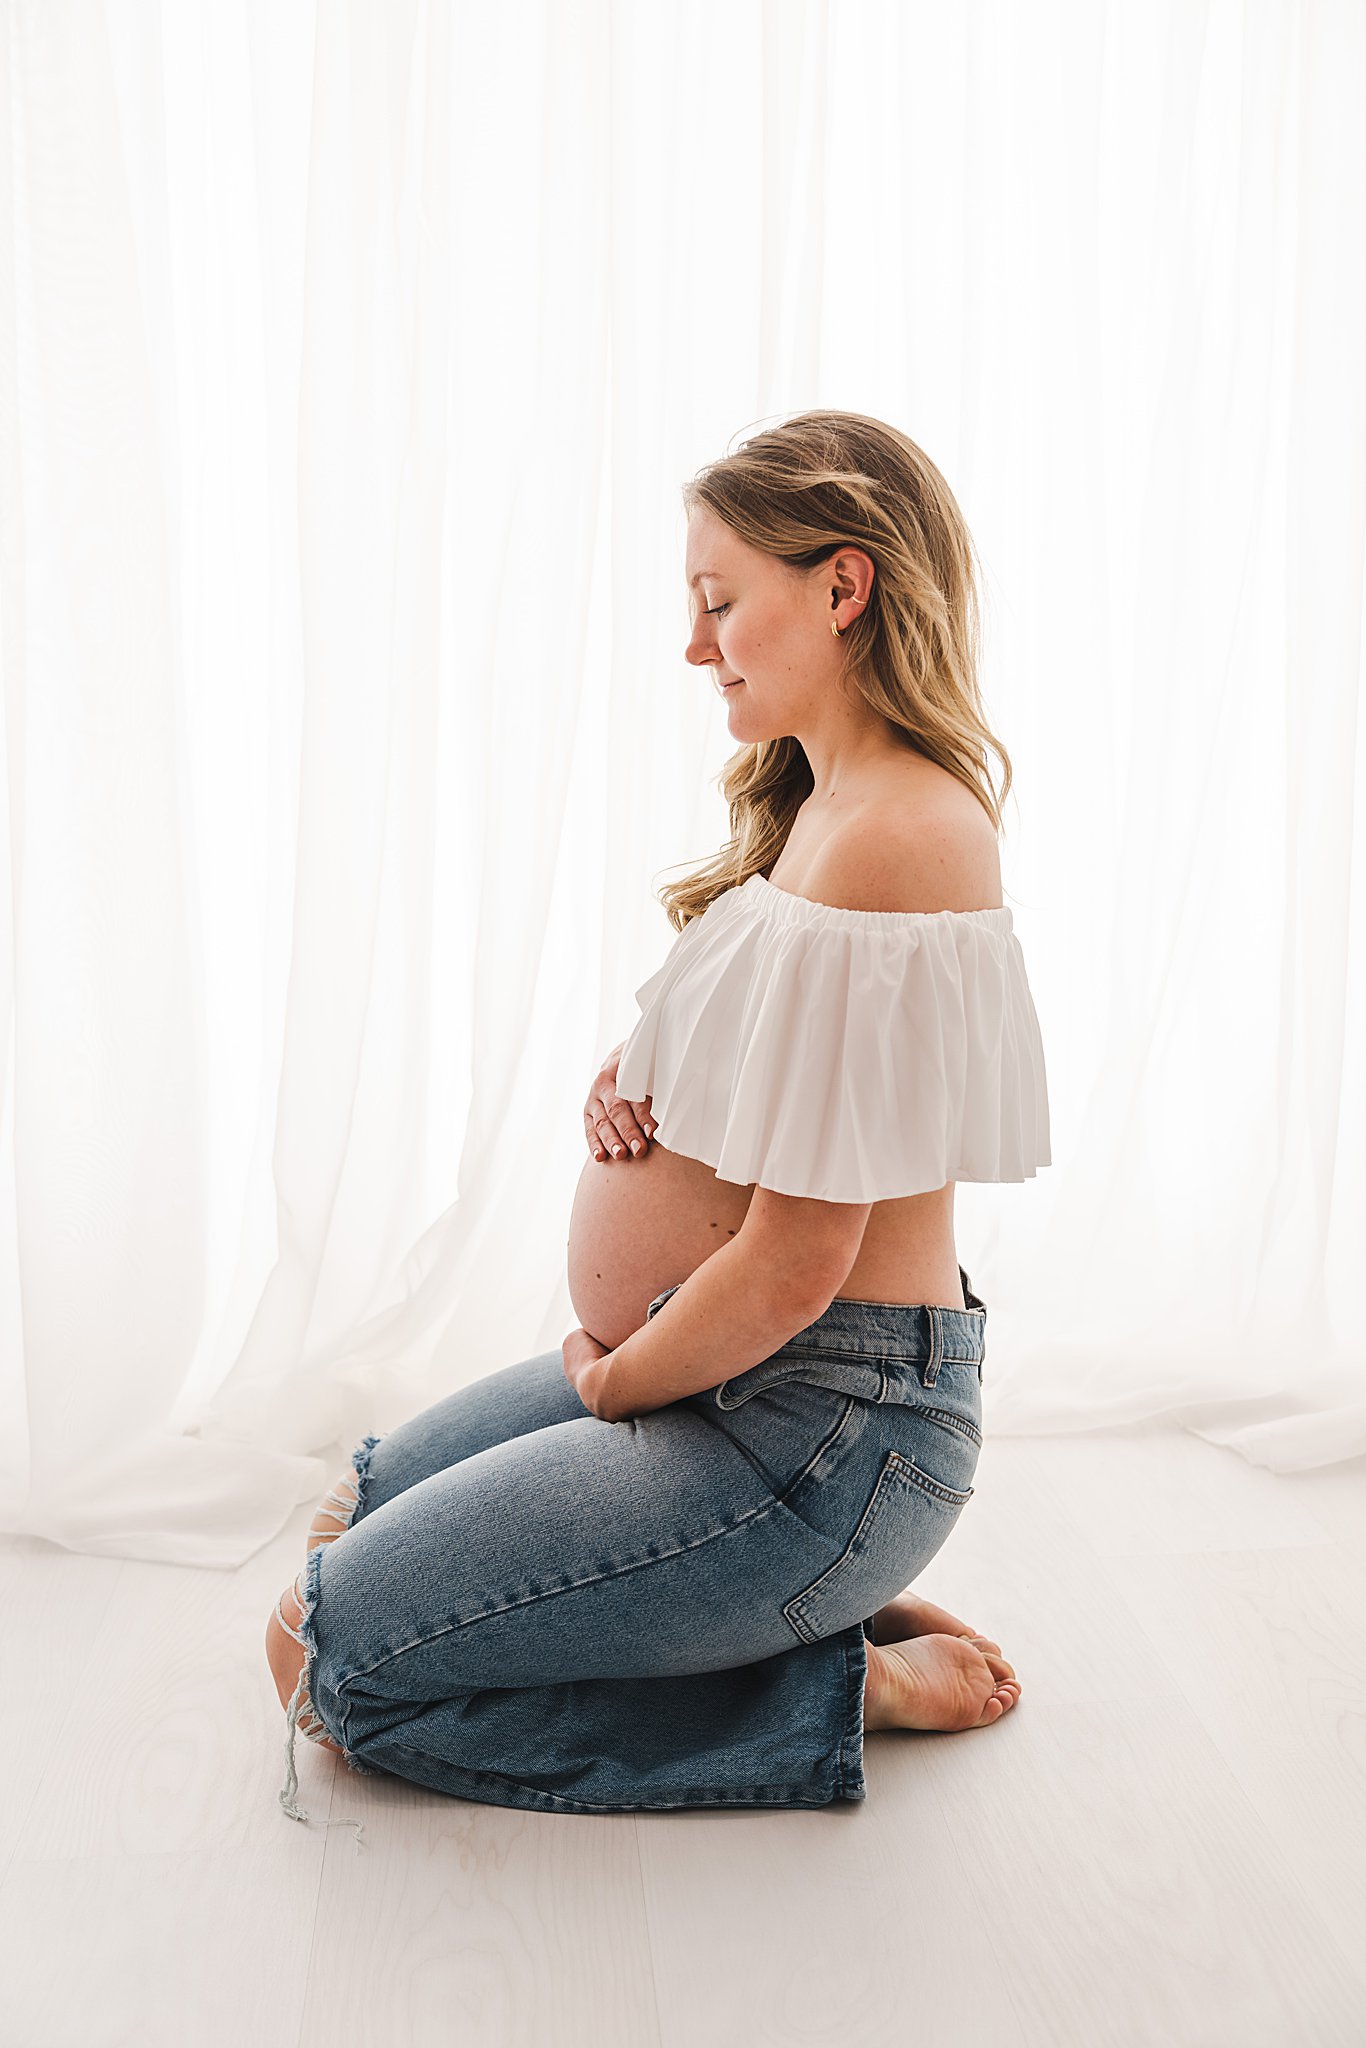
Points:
x=907 y=1519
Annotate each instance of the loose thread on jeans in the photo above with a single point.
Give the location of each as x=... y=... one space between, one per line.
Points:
x=300 y=1703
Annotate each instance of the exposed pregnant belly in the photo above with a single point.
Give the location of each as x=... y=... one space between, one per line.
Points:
x=641 y=1225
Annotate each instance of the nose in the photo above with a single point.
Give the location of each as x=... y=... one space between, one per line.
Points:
x=699 y=650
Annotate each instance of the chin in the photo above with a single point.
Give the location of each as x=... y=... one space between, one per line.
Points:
x=755 y=726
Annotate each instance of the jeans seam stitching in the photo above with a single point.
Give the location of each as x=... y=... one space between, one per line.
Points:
x=894 y=1467
x=809 y=1467
x=948 y=1420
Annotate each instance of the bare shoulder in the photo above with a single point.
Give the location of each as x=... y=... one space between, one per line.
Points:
x=923 y=844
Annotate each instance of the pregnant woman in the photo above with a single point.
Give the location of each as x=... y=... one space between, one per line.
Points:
x=666 y=1564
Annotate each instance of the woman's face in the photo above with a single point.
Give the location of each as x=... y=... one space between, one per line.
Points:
x=758 y=625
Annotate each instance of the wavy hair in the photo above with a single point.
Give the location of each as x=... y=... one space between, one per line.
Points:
x=800 y=491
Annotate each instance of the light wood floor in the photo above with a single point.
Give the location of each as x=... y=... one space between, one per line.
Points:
x=1161 y=1844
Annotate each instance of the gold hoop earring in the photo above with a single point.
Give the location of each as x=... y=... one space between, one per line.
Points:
x=834 y=628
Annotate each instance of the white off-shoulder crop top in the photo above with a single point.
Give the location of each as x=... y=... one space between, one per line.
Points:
x=845 y=1055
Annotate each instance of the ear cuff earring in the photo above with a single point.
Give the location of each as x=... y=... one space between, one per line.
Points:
x=834 y=628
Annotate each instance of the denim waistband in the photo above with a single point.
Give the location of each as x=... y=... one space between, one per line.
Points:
x=917 y=1333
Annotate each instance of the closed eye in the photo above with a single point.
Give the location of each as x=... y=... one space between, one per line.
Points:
x=716 y=608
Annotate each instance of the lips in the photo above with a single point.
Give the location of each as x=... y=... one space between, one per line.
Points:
x=739 y=680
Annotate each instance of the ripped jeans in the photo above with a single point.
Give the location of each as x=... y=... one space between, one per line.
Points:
x=528 y=1606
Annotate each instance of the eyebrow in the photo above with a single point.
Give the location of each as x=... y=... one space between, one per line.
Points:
x=700 y=574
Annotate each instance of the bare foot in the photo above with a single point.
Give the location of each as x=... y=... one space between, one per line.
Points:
x=909 y=1615
x=936 y=1681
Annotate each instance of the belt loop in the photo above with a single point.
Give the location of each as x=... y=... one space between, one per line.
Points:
x=931 y=1373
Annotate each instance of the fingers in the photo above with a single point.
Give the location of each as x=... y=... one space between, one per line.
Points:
x=618 y=1128
x=613 y=1126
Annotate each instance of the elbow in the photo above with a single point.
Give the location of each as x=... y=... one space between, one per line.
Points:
x=815 y=1303
x=801 y=1252
x=799 y=1295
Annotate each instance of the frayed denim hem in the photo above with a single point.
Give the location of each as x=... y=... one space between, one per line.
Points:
x=343 y=1511
x=344 y=1508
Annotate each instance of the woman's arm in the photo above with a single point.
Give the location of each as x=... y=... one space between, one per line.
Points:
x=778 y=1274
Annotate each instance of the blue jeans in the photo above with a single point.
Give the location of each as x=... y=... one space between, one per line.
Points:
x=532 y=1607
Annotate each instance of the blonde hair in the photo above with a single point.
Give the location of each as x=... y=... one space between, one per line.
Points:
x=801 y=491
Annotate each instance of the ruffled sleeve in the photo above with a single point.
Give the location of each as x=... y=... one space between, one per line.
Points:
x=844 y=1055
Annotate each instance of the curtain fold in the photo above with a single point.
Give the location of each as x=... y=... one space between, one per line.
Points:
x=351 y=360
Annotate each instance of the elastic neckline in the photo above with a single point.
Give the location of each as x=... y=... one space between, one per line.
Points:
x=791 y=909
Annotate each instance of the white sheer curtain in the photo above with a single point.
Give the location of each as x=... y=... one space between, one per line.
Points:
x=350 y=364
